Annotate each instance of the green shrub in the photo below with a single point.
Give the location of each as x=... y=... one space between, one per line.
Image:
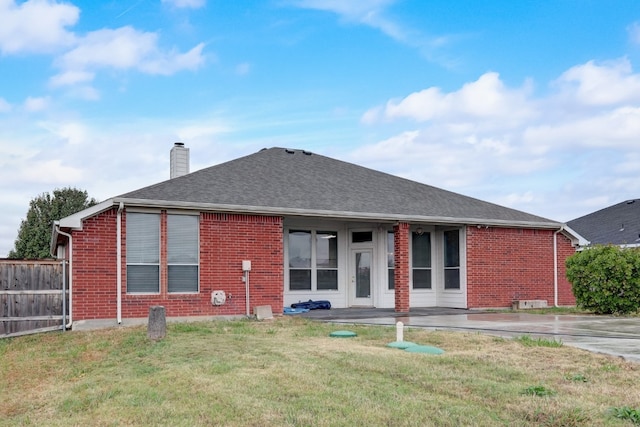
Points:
x=606 y=279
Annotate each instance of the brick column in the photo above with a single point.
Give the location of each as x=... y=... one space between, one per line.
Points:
x=401 y=273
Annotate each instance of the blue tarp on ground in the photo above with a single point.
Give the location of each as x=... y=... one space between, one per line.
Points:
x=313 y=305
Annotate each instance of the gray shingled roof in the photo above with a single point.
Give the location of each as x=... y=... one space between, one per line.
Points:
x=618 y=224
x=299 y=182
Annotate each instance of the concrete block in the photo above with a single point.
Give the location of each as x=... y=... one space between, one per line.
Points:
x=525 y=304
x=263 y=312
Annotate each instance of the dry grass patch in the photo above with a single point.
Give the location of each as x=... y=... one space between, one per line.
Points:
x=290 y=372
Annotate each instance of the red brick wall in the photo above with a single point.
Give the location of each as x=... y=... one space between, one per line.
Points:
x=94 y=268
x=401 y=272
x=505 y=264
x=225 y=240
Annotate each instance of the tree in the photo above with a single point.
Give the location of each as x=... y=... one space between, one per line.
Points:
x=34 y=235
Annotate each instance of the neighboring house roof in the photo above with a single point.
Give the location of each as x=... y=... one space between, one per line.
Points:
x=297 y=182
x=617 y=225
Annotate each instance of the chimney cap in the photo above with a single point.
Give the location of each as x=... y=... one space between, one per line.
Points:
x=179 y=144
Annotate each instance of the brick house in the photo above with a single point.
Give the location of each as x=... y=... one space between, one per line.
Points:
x=282 y=226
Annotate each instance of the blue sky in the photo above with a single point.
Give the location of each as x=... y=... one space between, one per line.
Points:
x=532 y=104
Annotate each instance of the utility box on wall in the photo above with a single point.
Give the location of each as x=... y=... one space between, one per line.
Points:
x=218 y=297
x=246 y=265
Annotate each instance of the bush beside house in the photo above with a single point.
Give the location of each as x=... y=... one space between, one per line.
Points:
x=606 y=279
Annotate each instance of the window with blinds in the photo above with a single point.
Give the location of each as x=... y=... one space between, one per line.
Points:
x=143 y=253
x=182 y=253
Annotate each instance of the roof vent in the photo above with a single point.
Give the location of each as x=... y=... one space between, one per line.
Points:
x=308 y=153
x=630 y=202
x=286 y=150
x=178 y=160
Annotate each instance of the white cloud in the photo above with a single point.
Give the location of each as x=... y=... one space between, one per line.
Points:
x=243 y=69
x=634 y=32
x=366 y=12
x=485 y=98
x=571 y=143
x=5 y=107
x=68 y=132
x=33 y=105
x=191 y=4
x=36 y=26
x=122 y=49
x=593 y=84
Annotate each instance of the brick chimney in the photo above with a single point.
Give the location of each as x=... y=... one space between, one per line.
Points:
x=179 y=161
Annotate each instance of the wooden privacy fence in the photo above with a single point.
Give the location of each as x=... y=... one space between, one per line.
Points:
x=31 y=296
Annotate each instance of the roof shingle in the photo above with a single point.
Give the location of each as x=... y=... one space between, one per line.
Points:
x=296 y=180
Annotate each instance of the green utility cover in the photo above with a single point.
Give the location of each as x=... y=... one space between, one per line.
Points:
x=427 y=349
x=342 y=334
x=401 y=344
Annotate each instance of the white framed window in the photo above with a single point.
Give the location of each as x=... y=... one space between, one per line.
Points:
x=421 y=259
x=313 y=260
x=182 y=253
x=143 y=252
x=391 y=261
x=451 y=259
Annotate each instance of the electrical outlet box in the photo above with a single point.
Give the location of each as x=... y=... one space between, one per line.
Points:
x=246 y=265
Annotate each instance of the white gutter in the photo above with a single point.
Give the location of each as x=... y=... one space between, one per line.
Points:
x=391 y=217
x=119 y=263
x=555 y=266
x=68 y=325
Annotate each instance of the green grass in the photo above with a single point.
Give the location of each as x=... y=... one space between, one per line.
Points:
x=528 y=341
x=289 y=372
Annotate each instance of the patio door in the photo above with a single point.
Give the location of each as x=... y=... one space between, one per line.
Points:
x=361 y=277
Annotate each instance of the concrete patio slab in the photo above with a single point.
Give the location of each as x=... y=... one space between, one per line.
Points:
x=617 y=336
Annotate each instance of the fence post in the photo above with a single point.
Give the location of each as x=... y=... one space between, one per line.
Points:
x=157 y=327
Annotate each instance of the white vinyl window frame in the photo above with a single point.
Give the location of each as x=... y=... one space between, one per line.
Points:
x=303 y=261
x=452 y=258
x=143 y=252
x=183 y=253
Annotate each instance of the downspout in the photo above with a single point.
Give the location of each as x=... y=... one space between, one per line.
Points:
x=68 y=325
x=555 y=266
x=119 y=263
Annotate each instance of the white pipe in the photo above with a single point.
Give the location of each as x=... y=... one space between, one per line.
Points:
x=246 y=284
x=119 y=264
x=555 y=266
x=64 y=293
x=68 y=325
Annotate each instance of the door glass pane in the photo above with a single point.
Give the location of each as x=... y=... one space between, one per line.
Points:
x=363 y=274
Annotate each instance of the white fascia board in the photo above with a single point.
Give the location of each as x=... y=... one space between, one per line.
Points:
x=373 y=216
x=75 y=221
x=574 y=236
